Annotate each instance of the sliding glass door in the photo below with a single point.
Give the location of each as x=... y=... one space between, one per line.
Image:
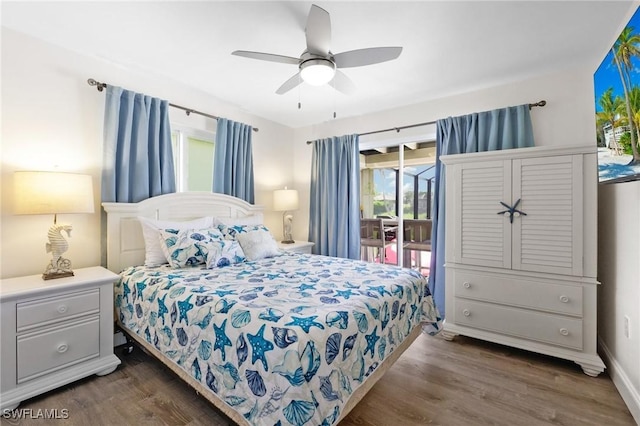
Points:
x=379 y=205
x=417 y=197
x=397 y=197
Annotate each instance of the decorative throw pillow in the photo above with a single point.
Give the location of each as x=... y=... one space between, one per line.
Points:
x=231 y=232
x=258 y=244
x=154 y=255
x=224 y=253
x=187 y=247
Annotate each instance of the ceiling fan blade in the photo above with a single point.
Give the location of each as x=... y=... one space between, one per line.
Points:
x=369 y=56
x=342 y=83
x=289 y=84
x=318 y=31
x=267 y=57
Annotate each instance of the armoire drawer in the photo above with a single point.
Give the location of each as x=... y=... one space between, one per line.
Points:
x=68 y=305
x=46 y=351
x=557 y=330
x=544 y=296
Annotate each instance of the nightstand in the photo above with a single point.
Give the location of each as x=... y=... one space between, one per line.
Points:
x=54 y=332
x=297 y=247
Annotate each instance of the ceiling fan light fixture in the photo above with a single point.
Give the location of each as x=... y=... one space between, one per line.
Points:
x=317 y=72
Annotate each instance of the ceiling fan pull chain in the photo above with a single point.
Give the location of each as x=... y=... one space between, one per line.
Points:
x=299 y=82
x=333 y=84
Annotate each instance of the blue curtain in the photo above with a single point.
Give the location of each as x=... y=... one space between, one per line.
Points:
x=233 y=160
x=334 y=213
x=138 y=161
x=504 y=128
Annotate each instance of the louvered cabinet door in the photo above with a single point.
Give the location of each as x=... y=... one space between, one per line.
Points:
x=549 y=237
x=483 y=238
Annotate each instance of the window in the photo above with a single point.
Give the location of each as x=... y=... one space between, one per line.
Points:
x=193 y=151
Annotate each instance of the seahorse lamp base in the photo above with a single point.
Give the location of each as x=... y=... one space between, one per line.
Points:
x=61 y=269
x=54 y=275
x=58 y=267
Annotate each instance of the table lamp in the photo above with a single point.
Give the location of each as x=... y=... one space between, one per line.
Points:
x=285 y=200
x=54 y=193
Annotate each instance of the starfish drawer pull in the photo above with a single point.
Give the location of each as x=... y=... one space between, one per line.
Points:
x=512 y=210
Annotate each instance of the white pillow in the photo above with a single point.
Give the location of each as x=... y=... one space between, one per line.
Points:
x=153 y=254
x=258 y=244
x=256 y=219
x=224 y=253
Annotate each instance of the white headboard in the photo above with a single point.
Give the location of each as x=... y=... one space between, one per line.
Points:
x=125 y=244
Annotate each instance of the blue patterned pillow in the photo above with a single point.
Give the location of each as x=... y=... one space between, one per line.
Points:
x=224 y=253
x=231 y=232
x=187 y=247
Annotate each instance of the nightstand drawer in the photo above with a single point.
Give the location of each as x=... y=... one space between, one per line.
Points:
x=68 y=305
x=539 y=295
x=557 y=330
x=44 y=352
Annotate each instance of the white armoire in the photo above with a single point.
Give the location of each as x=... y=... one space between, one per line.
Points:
x=521 y=241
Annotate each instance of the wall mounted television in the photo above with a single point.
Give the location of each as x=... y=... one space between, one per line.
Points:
x=617 y=99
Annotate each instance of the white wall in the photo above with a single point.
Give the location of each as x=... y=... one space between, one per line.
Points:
x=52 y=120
x=619 y=295
x=567 y=119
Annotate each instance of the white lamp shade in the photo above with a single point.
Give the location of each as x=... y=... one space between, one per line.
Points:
x=285 y=199
x=52 y=193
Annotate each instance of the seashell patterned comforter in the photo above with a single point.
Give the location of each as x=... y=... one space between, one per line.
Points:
x=285 y=340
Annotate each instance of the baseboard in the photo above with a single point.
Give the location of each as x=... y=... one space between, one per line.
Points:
x=621 y=380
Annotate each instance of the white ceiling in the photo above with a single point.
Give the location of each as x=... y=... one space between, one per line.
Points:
x=449 y=47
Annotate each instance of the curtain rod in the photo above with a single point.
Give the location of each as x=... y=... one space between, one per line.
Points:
x=426 y=123
x=188 y=111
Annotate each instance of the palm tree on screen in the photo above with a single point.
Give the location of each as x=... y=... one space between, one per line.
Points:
x=634 y=100
x=623 y=50
x=612 y=109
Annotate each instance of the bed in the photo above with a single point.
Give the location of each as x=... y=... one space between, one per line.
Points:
x=288 y=339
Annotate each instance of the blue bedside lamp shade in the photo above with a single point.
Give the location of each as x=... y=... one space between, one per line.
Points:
x=54 y=193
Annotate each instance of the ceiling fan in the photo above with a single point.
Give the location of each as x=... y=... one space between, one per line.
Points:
x=317 y=64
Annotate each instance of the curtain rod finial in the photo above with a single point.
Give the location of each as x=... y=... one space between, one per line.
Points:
x=99 y=86
x=538 y=104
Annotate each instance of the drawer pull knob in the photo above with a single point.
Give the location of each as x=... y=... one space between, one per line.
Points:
x=466 y=284
x=564 y=331
x=564 y=299
x=63 y=348
x=62 y=309
x=466 y=312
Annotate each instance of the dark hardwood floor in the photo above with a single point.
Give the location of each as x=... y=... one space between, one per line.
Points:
x=435 y=382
